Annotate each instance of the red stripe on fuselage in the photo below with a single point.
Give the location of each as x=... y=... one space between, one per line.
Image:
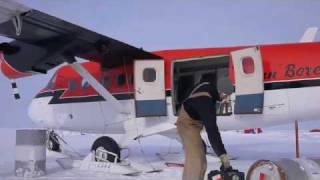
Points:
x=282 y=63
x=66 y=74
x=291 y=62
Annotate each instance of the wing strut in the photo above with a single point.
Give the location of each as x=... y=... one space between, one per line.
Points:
x=17 y=22
x=96 y=85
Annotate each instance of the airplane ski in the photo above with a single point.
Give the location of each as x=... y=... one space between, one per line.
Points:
x=125 y=167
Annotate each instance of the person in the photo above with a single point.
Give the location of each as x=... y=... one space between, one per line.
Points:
x=198 y=110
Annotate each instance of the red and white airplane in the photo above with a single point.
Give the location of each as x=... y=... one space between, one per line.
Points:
x=126 y=90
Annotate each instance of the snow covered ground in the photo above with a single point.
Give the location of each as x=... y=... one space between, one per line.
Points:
x=274 y=143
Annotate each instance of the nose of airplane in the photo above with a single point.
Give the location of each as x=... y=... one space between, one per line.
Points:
x=39 y=111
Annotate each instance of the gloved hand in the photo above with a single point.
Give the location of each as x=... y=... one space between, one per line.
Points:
x=225 y=170
x=222 y=96
x=225 y=161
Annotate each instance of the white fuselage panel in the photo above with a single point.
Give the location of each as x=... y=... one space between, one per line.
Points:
x=280 y=107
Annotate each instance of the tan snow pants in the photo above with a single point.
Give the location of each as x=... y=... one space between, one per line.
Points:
x=195 y=159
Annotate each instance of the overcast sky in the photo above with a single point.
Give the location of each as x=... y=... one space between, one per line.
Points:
x=169 y=24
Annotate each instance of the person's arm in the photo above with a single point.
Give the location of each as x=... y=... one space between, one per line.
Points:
x=210 y=123
x=215 y=94
x=223 y=96
x=219 y=96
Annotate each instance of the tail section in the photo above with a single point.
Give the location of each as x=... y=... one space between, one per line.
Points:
x=309 y=35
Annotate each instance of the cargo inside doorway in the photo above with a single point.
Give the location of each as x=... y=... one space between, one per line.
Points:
x=188 y=72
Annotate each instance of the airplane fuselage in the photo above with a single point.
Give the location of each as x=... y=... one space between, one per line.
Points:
x=291 y=86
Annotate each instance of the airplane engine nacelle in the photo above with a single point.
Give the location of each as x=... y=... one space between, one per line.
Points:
x=9 y=71
x=21 y=59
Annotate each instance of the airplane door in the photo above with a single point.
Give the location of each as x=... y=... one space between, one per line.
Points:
x=149 y=84
x=249 y=85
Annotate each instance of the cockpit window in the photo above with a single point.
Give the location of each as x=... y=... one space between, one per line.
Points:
x=52 y=82
x=72 y=85
x=85 y=84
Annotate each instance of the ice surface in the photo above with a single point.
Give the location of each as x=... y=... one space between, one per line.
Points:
x=274 y=143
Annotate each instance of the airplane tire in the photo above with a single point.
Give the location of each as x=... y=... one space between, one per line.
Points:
x=53 y=144
x=108 y=144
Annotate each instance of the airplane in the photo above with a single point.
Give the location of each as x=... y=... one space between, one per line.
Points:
x=121 y=89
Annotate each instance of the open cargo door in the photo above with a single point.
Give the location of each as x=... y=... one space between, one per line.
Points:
x=149 y=83
x=249 y=85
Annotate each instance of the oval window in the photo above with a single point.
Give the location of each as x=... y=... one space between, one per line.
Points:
x=51 y=84
x=121 y=80
x=131 y=80
x=106 y=81
x=72 y=85
x=149 y=75
x=248 y=65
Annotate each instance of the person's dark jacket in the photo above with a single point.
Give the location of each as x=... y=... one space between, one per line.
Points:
x=203 y=108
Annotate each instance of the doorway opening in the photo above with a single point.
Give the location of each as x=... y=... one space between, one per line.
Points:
x=188 y=72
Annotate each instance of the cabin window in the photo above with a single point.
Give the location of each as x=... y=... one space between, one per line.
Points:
x=52 y=82
x=106 y=81
x=85 y=84
x=121 y=80
x=72 y=85
x=131 y=80
x=149 y=74
x=248 y=65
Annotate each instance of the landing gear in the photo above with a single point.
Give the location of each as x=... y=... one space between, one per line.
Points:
x=106 y=148
x=53 y=143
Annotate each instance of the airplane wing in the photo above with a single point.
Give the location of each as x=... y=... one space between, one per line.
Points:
x=42 y=42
